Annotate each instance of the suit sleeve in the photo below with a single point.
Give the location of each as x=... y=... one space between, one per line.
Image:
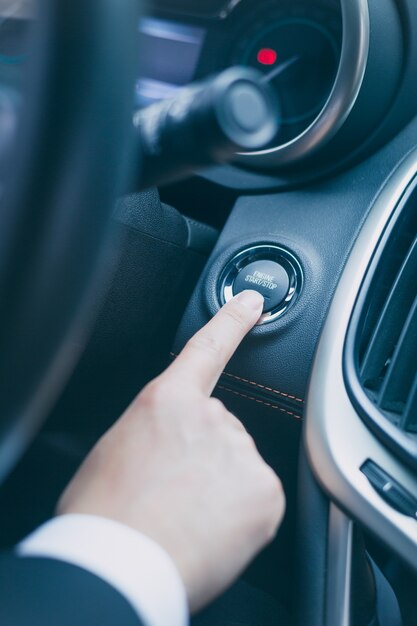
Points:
x=48 y=592
x=131 y=563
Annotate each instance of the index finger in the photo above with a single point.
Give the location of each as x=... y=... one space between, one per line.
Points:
x=207 y=353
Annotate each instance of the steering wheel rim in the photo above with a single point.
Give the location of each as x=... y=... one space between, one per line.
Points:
x=70 y=160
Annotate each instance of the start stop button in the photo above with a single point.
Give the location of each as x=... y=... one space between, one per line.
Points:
x=269 y=269
x=267 y=277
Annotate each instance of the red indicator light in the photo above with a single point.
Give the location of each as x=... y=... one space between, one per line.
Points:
x=267 y=56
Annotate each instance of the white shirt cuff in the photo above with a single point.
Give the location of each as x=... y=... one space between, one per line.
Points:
x=130 y=562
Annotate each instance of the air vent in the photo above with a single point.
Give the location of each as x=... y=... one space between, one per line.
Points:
x=381 y=350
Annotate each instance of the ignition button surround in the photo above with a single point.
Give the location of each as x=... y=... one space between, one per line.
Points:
x=259 y=253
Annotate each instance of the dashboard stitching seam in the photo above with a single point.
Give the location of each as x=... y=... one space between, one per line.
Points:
x=251 y=382
x=268 y=404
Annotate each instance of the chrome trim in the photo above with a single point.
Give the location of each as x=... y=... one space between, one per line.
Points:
x=228 y=8
x=339 y=568
x=337 y=440
x=348 y=82
x=263 y=252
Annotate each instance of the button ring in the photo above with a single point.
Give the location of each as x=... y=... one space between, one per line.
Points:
x=284 y=291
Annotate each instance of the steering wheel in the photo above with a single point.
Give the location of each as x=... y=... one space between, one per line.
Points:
x=69 y=160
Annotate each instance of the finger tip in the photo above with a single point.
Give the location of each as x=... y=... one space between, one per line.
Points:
x=251 y=299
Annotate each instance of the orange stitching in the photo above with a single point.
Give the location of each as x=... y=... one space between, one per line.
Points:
x=268 y=404
x=250 y=382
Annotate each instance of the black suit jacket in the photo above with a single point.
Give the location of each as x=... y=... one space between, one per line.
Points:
x=45 y=592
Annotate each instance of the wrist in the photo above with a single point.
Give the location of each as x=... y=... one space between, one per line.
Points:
x=131 y=562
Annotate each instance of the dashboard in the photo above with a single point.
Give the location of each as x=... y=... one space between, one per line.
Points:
x=345 y=76
x=295 y=46
x=341 y=69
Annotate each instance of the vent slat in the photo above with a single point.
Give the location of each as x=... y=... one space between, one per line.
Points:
x=402 y=369
x=390 y=324
x=410 y=415
x=389 y=268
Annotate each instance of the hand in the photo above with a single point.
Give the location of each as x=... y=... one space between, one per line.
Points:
x=180 y=468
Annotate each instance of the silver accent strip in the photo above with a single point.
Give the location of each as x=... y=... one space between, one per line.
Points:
x=337 y=440
x=228 y=8
x=339 y=568
x=348 y=82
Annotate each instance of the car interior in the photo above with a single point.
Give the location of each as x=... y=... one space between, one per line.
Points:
x=319 y=214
